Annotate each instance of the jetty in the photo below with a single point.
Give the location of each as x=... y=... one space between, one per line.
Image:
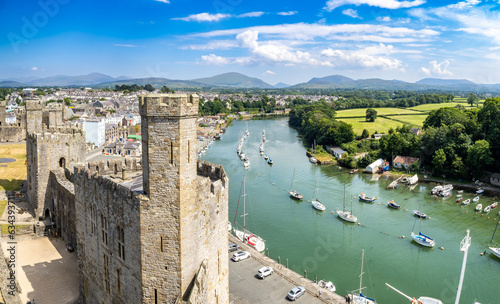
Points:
x=395 y=183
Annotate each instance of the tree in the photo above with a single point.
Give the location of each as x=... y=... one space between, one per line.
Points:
x=365 y=134
x=472 y=99
x=439 y=160
x=371 y=115
x=149 y=88
x=479 y=157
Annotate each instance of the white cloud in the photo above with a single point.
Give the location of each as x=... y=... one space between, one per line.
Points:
x=289 y=13
x=351 y=13
x=389 y=4
x=420 y=13
x=34 y=69
x=465 y=4
x=266 y=73
x=125 y=45
x=215 y=60
x=163 y=1
x=439 y=69
x=212 y=45
x=204 y=17
x=366 y=58
x=251 y=14
x=384 y=19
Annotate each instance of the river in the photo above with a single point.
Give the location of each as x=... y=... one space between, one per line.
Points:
x=330 y=248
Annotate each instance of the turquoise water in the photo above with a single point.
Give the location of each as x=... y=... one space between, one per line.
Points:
x=330 y=248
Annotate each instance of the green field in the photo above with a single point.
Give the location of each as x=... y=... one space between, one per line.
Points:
x=12 y=175
x=380 y=111
x=413 y=120
x=381 y=125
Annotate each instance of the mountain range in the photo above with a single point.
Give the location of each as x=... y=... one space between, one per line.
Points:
x=237 y=80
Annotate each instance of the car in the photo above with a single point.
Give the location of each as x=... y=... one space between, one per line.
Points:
x=240 y=255
x=295 y=293
x=233 y=247
x=264 y=272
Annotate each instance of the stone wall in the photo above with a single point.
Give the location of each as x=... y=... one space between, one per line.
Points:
x=102 y=203
x=62 y=209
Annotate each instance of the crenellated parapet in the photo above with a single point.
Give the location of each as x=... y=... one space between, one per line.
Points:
x=215 y=172
x=171 y=105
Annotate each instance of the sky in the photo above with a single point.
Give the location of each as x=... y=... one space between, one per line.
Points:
x=276 y=41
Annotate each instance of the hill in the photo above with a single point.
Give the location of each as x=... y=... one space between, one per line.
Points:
x=331 y=79
x=233 y=80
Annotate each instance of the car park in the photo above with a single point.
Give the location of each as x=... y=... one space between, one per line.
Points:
x=240 y=255
x=233 y=247
x=264 y=272
x=295 y=293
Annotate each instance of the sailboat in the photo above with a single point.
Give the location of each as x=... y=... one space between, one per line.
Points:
x=315 y=201
x=421 y=238
x=494 y=250
x=360 y=298
x=246 y=236
x=313 y=159
x=422 y=300
x=346 y=215
x=294 y=194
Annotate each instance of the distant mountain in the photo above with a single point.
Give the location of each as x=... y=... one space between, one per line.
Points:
x=280 y=85
x=154 y=81
x=11 y=84
x=445 y=82
x=233 y=80
x=331 y=79
x=63 y=80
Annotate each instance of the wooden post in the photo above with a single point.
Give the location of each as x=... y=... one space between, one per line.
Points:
x=286 y=263
x=305 y=274
x=267 y=252
x=279 y=260
x=315 y=278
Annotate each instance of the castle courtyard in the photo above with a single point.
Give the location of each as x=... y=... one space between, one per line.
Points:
x=46 y=271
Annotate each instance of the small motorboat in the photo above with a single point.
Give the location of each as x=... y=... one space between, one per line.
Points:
x=494 y=205
x=313 y=160
x=328 y=285
x=365 y=198
x=460 y=191
x=495 y=251
x=266 y=157
x=294 y=194
x=480 y=191
x=476 y=199
x=246 y=163
x=459 y=195
x=419 y=214
x=392 y=204
x=270 y=161
x=466 y=202
x=318 y=205
x=479 y=207
x=487 y=209
x=460 y=199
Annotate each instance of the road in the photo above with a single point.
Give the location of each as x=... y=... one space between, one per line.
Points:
x=245 y=287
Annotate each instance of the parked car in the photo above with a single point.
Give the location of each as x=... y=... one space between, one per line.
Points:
x=240 y=255
x=233 y=247
x=264 y=272
x=295 y=293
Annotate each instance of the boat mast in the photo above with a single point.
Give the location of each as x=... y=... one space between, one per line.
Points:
x=343 y=209
x=293 y=177
x=400 y=292
x=464 y=247
x=361 y=275
x=493 y=234
x=244 y=208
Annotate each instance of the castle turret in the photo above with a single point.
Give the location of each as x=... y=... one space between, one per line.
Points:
x=2 y=113
x=34 y=112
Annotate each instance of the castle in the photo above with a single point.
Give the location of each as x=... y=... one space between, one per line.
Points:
x=12 y=132
x=149 y=231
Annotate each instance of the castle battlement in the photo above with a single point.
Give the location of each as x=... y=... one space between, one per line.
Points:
x=172 y=105
x=215 y=172
x=33 y=104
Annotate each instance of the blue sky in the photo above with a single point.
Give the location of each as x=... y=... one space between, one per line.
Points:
x=277 y=41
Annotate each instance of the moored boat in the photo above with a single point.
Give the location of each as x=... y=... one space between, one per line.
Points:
x=313 y=160
x=423 y=240
x=266 y=157
x=294 y=194
x=479 y=207
x=393 y=204
x=460 y=199
x=480 y=191
x=246 y=163
x=328 y=285
x=346 y=215
x=476 y=199
x=487 y=209
x=365 y=198
x=270 y=161
x=495 y=251
x=494 y=205
x=466 y=202
x=420 y=214
x=315 y=201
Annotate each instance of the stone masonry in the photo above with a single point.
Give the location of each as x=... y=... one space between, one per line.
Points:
x=159 y=237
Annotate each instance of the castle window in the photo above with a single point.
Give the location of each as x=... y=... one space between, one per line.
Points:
x=106 y=273
x=118 y=280
x=104 y=230
x=93 y=219
x=121 y=242
x=62 y=162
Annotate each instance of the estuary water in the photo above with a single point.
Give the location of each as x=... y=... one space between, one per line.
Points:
x=329 y=248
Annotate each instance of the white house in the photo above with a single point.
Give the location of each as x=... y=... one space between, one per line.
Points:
x=95 y=131
x=114 y=118
x=338 y=153
x=373 y=167
x=405 y=162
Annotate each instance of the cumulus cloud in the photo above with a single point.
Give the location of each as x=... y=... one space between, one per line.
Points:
x=163 y=1
x=351 y=13
x=251 y=14
x=266 y=73
x=212 y=45
x=289 y=13
x=214 y=59
x=368 y=57
x=384 y=19
x=207 y=17
x=34 y=69
x=389 y=4
x=437 y=68
x=203 y=17
x=465 y=4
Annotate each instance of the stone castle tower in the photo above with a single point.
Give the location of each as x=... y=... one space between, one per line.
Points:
x=49 y=145
x=187 y=215
x=2 y=113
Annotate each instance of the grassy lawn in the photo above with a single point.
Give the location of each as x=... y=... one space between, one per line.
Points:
x=415 y=120
x=382 y=125
x=380 y=111
x=14 y=174
x=434 y=106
